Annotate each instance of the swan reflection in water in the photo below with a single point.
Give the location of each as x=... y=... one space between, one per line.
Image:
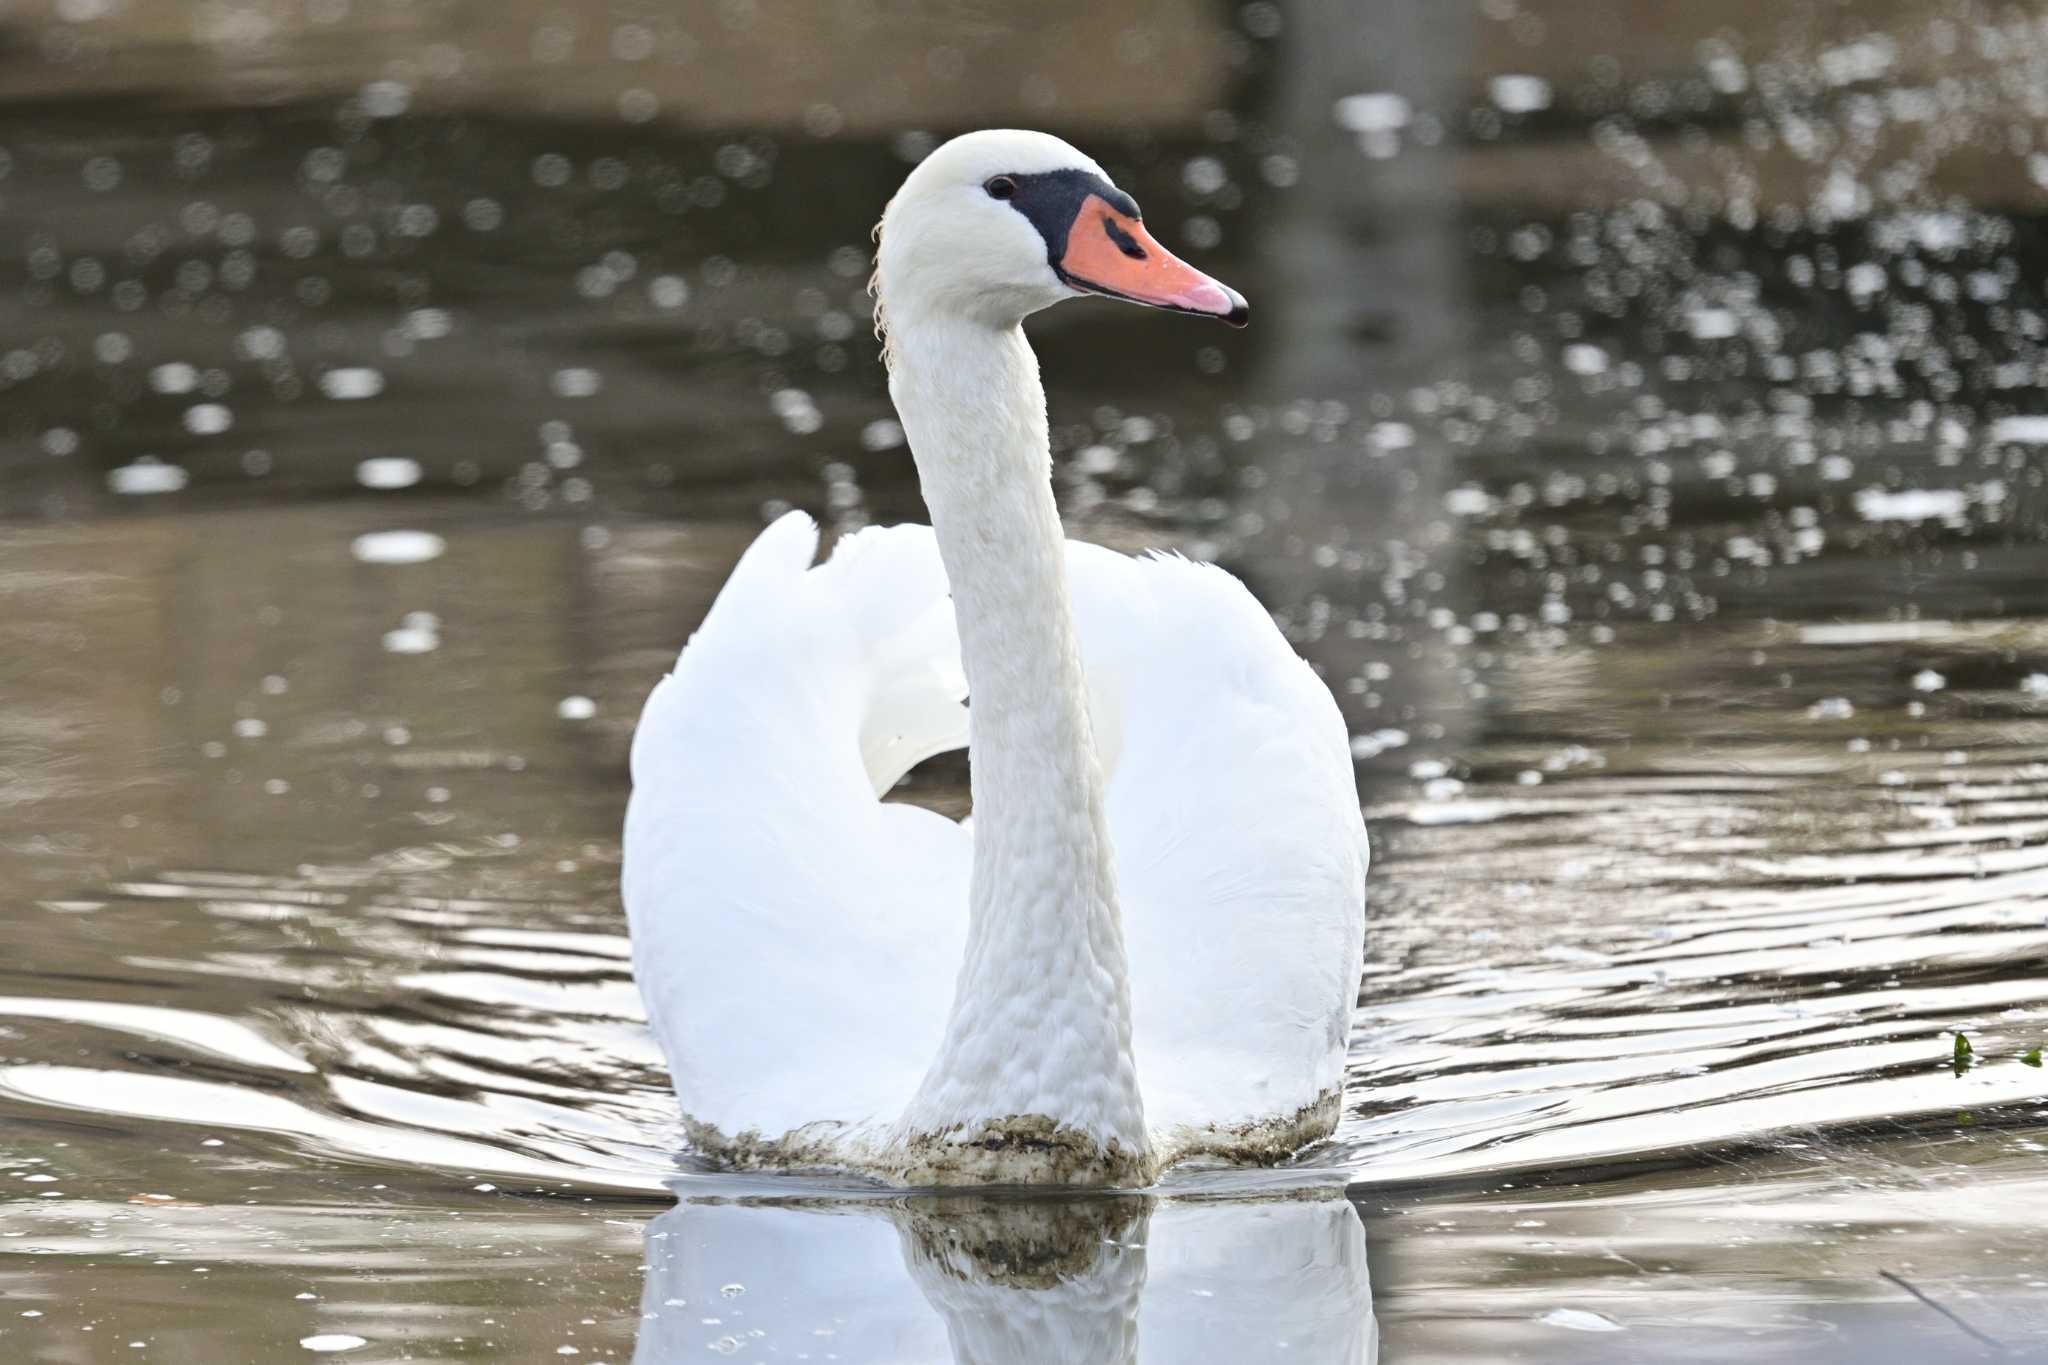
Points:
x=994 y=1280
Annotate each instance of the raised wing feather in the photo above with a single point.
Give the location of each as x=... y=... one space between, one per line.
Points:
x=796 y=939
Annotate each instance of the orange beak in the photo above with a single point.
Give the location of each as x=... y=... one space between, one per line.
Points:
x=1110 y=253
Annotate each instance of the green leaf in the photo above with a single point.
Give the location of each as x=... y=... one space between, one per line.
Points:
x=1966 y=1055
x=2032 y=1057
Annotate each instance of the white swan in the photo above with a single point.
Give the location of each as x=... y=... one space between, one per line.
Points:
x=1149 y=944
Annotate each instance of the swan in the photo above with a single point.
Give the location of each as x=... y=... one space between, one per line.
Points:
x=1146 y=943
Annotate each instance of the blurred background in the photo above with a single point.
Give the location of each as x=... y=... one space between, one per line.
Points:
x=1567 y=313
x=1640 y=426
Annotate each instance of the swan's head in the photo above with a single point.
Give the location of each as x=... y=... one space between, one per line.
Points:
x=999 y=224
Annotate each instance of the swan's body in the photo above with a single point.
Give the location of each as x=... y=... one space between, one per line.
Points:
x=1149 y=943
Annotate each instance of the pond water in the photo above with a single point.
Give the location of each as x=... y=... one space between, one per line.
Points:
x=1648 y=452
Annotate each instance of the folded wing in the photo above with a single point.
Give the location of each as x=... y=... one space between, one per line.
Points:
x=1240 y=851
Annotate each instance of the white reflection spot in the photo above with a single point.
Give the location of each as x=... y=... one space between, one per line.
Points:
x=1579 y=1320
x=397 y=547
x=356 y=381
x=1910 y=504
x=388 y=471
x=147 y=475
x=1520 y=94
x=174 y=377
x=208 y=419
x=576 y=383
x=386 y=99
x=419 y=633
x=1373 y=112
x=2030 y=430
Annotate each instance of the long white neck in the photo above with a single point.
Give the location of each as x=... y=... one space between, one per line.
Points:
x=1040 y=1029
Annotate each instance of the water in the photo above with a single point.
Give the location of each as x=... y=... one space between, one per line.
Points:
x=1680 y=577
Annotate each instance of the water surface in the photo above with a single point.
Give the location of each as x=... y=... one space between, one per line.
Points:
x=1680 y=577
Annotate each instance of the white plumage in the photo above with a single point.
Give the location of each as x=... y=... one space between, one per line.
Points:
x=1148 y=943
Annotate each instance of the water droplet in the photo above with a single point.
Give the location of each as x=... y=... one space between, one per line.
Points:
x=208 y=419
x=2030 y=430
x=420 y=633
x=174 y=377
x=397 y=547
x=388 y=472
x=147 y=475
x=1517 y=94
x=1468 y=502
x=668 y=291
x=386 y=99
x=349 y=382
x=1373 y=112
x=1581 y=358
x=1712 y=324
x=1911 y=504
x=576 y=382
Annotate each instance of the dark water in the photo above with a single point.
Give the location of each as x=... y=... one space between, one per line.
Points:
x=1646 y=445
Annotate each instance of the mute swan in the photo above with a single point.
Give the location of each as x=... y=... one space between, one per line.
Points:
x=1148 y=945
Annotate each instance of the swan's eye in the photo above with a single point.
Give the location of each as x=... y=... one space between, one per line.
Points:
x=1001 y=187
